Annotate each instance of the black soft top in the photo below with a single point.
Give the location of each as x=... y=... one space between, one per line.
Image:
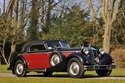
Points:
x=30 y=43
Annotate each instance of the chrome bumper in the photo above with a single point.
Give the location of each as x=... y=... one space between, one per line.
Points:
x=98 y=67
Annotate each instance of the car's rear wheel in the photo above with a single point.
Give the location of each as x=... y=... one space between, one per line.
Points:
x=19 y=69
x=55 y=59
x=47 y=74
x=104 y=72
x=75 y=68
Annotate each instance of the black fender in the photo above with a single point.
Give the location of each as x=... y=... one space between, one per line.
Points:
x=13 y=62
x=63 y=65
x=106 y=59
x=59 y=53
x=79 y=56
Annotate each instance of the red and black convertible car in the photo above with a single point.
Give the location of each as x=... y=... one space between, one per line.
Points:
x=56 y=56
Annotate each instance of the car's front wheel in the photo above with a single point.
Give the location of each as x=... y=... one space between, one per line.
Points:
x=104 y=72
x=75 y=68
x=19 y=69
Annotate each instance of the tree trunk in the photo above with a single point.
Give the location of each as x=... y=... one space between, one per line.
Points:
x=15 y=10
x=91 y=7
x=13 y=49
x=3 y=52
x=4 y=4
x=107 y=36
x=48 y=22
x=42 y=13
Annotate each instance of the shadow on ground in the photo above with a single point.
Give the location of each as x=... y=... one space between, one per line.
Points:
x=62 y=76
x=67 y=76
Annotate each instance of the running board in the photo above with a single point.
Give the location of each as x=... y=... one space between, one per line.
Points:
x=37 y=70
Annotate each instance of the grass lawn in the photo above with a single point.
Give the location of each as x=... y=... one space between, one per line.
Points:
x=3 y=69
x=63 y=78
x=56 y=80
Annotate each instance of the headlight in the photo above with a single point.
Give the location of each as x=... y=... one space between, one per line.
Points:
x=101 y=51
x=86 y=51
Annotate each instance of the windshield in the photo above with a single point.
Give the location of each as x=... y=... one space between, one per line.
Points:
x=58 y=44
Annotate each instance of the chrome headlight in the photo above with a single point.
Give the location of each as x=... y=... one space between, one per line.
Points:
x=101 y=51
x=86 y=51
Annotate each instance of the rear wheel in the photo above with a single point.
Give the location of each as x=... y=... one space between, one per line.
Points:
x=19 y=69
x=47 y=73
x=104 y=72
x=75 y=68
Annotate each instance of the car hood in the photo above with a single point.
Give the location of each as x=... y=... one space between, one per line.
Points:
x=71 y=49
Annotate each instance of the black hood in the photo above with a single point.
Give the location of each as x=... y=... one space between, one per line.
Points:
x=70 y=49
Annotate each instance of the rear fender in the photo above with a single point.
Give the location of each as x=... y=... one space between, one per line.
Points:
x=14 y=60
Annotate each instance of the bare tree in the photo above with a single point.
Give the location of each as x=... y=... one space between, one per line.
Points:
x=93 y=11
x=10 y=28
x=4 y=4
x=45 y=10
x=9 y=31
x=109 y=11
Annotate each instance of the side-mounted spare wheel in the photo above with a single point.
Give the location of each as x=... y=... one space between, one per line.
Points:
x=75 y=68
x=106 y=59
x=19 y=69
x=55 y=59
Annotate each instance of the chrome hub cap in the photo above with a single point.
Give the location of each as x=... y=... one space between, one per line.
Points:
x=74 y=68
x=55 y=60
x=19 y=69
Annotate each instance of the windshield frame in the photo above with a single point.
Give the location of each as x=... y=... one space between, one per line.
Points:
x=57 y=44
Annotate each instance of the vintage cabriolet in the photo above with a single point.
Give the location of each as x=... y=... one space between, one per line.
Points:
x=56 y=56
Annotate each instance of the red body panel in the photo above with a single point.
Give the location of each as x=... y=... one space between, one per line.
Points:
x=37 y=60
x=41 y=60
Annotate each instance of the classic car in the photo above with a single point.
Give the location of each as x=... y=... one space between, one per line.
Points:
x=56 y=56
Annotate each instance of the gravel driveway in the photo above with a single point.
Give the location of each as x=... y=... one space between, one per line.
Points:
x=64 y=76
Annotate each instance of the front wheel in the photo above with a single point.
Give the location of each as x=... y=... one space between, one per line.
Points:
x=104 y=72
x=75 y=68
x=19 y=69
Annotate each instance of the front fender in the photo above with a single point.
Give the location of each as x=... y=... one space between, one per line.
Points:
x=79 y=56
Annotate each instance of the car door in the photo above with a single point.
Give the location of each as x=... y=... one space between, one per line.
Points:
x=37 y=57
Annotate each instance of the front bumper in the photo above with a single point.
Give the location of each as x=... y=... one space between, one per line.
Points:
x=98 y=67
